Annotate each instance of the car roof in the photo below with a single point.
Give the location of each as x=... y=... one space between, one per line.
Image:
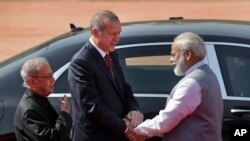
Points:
x=206 y=28
x=160 y=31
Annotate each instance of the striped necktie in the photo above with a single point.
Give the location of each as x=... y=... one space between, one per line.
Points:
x=109 y=62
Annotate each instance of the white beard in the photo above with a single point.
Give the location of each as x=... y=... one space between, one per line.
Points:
x=180 y=68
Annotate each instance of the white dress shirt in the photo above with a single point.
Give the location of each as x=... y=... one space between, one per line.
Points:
x=97 y=48
x=185 y=100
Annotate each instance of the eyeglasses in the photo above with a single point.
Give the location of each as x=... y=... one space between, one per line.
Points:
x=49 y=76
x=45 y=76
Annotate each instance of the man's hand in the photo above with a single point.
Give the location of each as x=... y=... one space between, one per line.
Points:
x=135 y=117
x=132 y=136
x=64 y=104
x=128 y=124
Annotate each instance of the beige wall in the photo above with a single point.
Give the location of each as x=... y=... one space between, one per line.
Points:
x=24 y=24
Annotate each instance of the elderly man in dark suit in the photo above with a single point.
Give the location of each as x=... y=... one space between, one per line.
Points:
x=101 y=95
x=35 y=118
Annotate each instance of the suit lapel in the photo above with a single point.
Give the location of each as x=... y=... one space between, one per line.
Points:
x=117 y=77
x=118 y=82
x=115 y=71
x=103 y=66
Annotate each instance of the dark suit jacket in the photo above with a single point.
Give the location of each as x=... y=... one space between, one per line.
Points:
x=99 y=101
x=36 y=120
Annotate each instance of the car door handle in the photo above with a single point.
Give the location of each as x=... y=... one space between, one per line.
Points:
x=240 y=111
x=243 y=113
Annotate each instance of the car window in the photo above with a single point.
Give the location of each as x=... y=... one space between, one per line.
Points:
x=148 y=69
x=1 y=109
x=61 y=84
x=234 y=62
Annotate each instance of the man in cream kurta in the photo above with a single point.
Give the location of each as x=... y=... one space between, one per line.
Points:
x=194 y=109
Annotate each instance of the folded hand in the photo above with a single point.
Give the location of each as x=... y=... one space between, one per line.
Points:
x=135 y=117
x=64 y=104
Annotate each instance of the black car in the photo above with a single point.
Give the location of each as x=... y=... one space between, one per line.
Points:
x=144 y=51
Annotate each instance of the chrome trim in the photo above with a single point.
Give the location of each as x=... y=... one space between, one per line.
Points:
x=143 y=44
x=239 y=111
x=59 y=72
x=214 y=65
x=169 y=43
x=136 y=95
x=237 y=98
x=152 y=95
x=228 y=43
x=59 y=94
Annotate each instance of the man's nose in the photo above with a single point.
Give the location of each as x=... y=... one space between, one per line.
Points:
x=52 y=79
x=171 y=59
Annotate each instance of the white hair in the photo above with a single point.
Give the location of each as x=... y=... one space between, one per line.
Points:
x=32 y=66
x=189 y=40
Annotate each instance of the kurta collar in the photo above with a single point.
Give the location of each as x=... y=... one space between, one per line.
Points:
x=195 y=66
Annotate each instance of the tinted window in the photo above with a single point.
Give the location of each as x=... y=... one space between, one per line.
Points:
x=61 y=84
x=148 y=69
x=235 y=66
x=1 y=109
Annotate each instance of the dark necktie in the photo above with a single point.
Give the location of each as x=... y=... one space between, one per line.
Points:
x=109 y=63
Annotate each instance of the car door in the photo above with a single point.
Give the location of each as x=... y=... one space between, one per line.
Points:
x=231 y=62
x=148 y=70
x=59 y=58
x=1 y=108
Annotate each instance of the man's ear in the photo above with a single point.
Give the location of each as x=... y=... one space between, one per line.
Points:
x=31 y=81
x=95 y=32
x=188 y=54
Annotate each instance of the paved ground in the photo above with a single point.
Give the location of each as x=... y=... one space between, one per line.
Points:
x=26 y=23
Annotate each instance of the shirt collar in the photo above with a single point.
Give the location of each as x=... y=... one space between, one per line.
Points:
x=195 y=66
x=97 y=48
x=30 y=93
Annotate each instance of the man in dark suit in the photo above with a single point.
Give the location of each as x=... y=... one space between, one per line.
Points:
x=35 y=118
x=101 y=95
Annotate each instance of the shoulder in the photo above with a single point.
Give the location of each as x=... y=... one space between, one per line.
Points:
x=201 y=72
x=27 y=102
x=84 y=52
x=84 y=56
x=189 y=83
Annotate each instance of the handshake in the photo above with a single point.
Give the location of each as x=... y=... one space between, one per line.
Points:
x=133 y=119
